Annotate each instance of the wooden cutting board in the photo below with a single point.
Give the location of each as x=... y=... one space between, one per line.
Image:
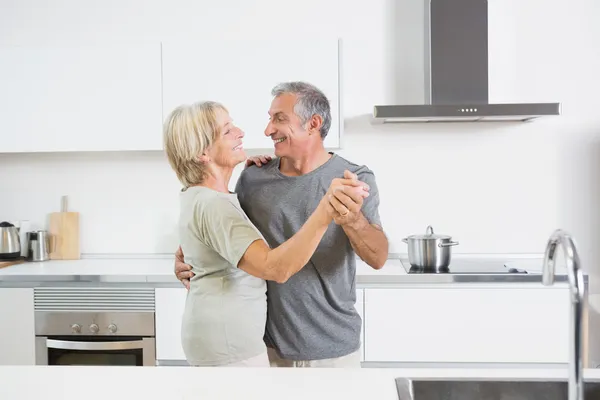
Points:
x=12 y=262
x=64 y=233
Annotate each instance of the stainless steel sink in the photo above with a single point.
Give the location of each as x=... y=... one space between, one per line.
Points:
x=429 y=389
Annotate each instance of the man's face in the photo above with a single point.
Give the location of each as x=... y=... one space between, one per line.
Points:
x=288 y=135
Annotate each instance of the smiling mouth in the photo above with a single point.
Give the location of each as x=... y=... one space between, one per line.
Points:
x=275 y=141
x=238 y=147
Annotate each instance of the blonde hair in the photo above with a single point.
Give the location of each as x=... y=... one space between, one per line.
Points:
x=187 y=132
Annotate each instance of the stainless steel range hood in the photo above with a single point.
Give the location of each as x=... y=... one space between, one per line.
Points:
x=456 y=71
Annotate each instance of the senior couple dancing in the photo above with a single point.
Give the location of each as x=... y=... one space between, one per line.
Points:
x=270 y=269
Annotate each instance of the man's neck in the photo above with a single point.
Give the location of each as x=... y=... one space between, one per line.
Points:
x=218 y=179
x=305 y=164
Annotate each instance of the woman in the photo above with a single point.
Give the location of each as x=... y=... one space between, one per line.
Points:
x=225 y=312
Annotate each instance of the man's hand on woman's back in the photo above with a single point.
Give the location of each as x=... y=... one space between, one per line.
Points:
x=183 y=271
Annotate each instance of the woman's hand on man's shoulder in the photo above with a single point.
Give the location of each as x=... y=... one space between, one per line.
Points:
x=259 y=161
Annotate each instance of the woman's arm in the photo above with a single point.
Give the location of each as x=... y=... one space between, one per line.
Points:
x=280 y=263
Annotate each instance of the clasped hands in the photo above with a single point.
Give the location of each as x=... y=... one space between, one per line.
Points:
x=345 y=195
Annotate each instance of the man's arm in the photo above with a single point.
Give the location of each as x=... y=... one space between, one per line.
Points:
x=359 y=217
x=368 y=241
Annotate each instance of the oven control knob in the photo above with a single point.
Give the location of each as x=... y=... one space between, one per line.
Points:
x=94 y=328
x=112 y=328
x=76 y=328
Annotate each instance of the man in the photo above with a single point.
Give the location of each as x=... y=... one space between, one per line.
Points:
x=311 y=318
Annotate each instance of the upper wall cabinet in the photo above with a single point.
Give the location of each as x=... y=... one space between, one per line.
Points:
x=241 y=73
x=82 y=98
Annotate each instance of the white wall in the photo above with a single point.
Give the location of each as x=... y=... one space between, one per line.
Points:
x=494 y=187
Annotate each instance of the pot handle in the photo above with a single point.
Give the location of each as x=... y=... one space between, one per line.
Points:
x=405 y=240
x=447 y=244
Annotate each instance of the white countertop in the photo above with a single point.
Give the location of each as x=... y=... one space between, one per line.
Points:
x=159 y=269
x=95 y=266
x=148 y=269
x=185 y=383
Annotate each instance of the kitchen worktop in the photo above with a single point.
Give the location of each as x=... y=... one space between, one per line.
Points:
x=139 y=270
x=158 y=270
x=186 y=383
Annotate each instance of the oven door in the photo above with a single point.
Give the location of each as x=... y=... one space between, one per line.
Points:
x=95 y=350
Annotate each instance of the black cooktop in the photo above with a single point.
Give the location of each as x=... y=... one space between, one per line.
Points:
x=465 y=267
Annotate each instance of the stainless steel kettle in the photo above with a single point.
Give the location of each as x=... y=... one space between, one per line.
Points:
x=10 y=244
x=39 y=246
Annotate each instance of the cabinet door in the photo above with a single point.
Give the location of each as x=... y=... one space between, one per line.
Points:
x=241 y=73
x=17 y=336
x=475 y=325
x=361 y=311
x=80 y=98
x=170 y=303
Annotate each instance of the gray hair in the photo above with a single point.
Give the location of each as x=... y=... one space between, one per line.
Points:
x=311 y=101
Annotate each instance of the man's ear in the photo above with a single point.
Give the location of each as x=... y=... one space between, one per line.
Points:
x=314 y=124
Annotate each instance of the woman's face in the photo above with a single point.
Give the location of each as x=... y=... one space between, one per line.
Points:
x=227 y=149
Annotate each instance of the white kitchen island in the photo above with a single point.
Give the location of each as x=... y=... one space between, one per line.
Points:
x=187 y=383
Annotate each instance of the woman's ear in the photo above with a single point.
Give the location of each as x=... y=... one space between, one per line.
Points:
x=204 y=158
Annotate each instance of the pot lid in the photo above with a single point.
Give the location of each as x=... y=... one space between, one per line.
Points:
x=430 y=235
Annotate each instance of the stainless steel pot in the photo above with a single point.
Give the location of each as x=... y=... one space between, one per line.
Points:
x=429 y=251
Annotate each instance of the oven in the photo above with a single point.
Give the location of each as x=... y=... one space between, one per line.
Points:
x=75 y=326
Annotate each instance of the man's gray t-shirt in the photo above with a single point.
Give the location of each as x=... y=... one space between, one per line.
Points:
x=312 y=316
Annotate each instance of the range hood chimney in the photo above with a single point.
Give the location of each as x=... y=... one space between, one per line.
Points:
x=456 y=71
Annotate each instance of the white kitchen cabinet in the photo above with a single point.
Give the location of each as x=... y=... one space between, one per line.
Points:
x=170 y=303
x=467 y=325
x=360 y=307
x=17 y=336
x=241 y=73
x=80 y=98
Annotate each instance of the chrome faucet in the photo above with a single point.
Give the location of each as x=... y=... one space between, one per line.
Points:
x=578 y=298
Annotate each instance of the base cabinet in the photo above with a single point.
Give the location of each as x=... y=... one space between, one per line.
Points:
x=467 y=325
x=434 y=326
x=17 y=336
x=360 y=307
x=170 y=303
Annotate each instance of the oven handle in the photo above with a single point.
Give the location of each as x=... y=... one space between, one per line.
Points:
x=102 y=346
